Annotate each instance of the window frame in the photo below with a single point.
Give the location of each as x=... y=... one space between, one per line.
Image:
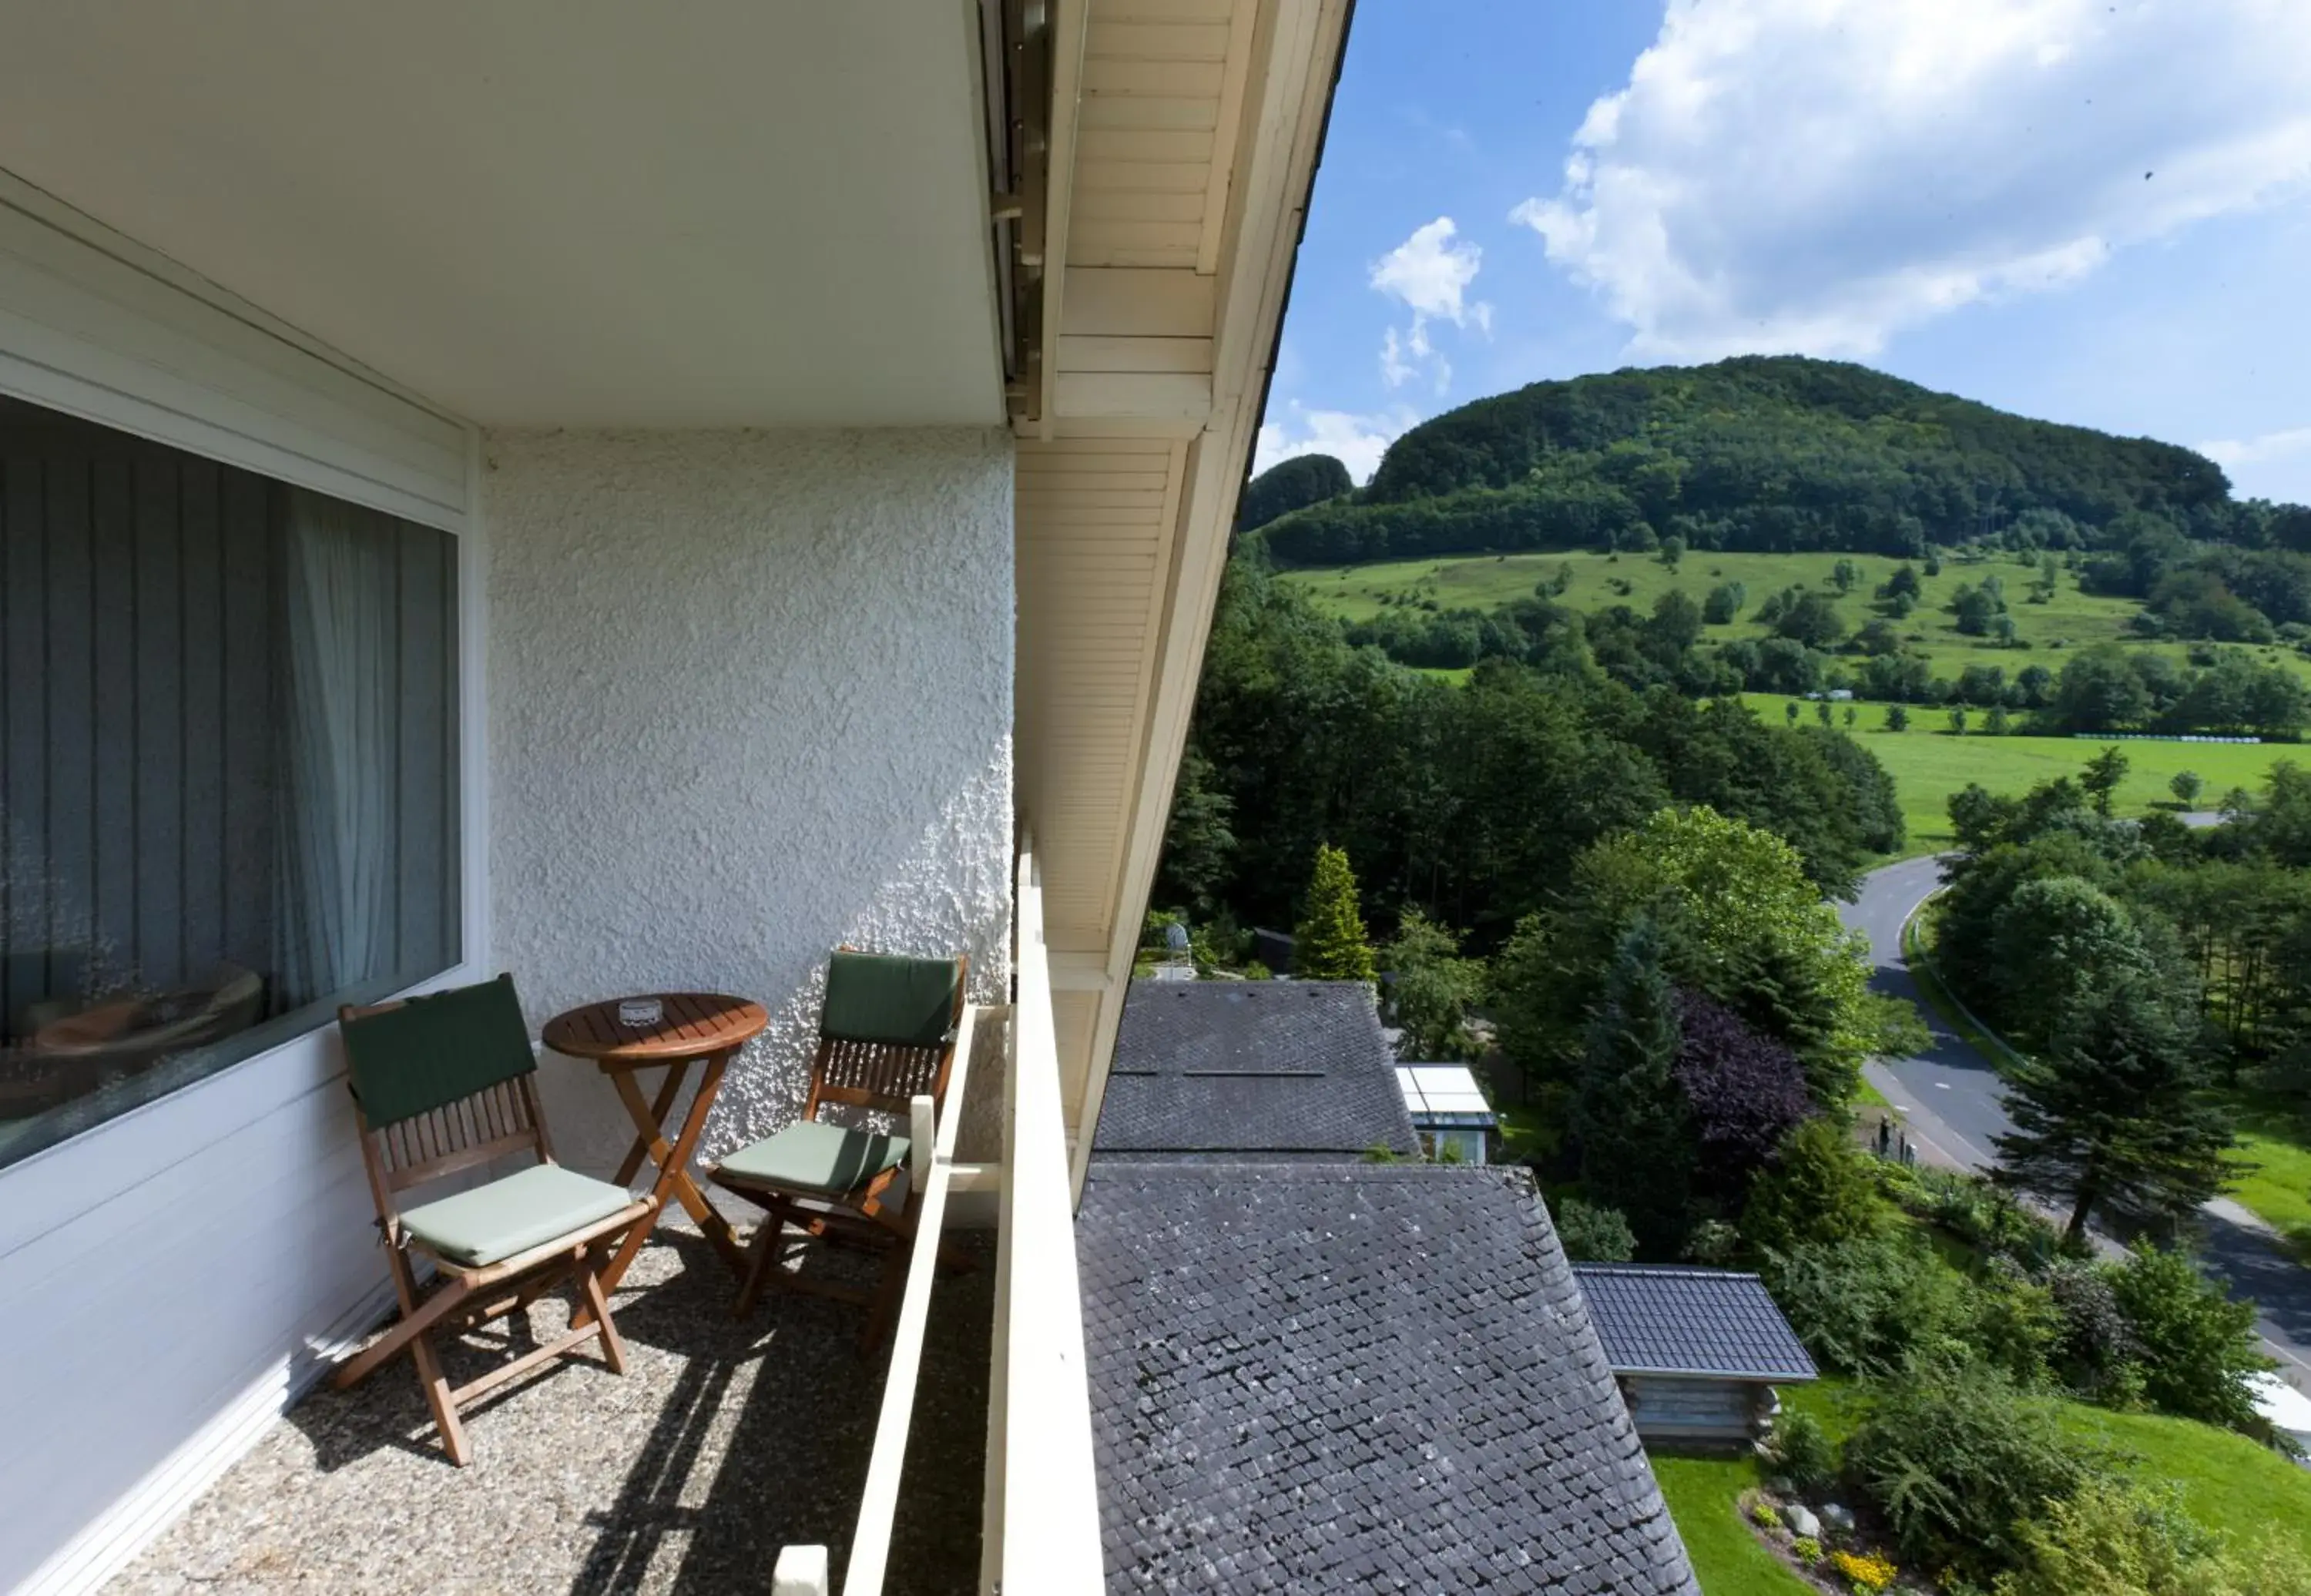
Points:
x=50 y=1188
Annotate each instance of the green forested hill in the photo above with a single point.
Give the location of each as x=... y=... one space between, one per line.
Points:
x=1773 y=454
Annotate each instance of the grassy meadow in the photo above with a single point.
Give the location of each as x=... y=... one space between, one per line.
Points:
x=1928 y=763
x=2070 y=621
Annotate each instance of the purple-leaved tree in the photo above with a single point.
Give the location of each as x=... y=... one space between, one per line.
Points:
x=1745 y=1090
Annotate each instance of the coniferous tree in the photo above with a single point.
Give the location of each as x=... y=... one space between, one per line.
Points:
x=1330 y=942
x=2115 y=1117
x=1637 y=1147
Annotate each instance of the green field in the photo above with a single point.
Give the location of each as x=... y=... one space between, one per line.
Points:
x=2044 y=634
x=1928 y=764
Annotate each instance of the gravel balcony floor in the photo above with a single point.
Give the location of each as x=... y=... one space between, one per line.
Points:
x=722 y=1442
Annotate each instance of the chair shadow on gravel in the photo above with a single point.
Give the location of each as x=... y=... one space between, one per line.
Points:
x=724 y=1442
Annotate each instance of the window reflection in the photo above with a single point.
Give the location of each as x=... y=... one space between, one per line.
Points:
x=228 y=767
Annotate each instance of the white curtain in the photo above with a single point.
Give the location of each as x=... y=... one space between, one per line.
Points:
x=336 y=874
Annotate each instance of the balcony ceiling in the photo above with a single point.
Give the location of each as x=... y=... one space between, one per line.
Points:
x=727 y=212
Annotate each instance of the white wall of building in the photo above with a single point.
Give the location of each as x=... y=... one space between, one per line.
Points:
x=172 y=1276
x=750 y=698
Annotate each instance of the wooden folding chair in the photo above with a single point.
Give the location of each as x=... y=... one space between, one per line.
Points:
x=886 y=1034
x=443 y=1082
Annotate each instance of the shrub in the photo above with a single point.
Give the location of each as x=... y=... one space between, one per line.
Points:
x=1765 y=1514
x=1808 y=1550
x=1950 y=1453
x=2195 y=1345
x=2114 y=1539
x=1818 y=1189
x=1591 y=1233
x=1861 y=1307
x=1712 y=1243
x=1984 y=1216
x=2095 y=1353
x=2017 y=1323
x=1801 y=1451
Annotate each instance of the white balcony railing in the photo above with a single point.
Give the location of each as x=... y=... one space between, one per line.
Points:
x=1039 y=1447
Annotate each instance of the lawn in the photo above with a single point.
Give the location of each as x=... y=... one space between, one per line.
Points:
x=2227 y=1483
x=1928 y=763
x=2279 y=1191
x=2070 y=621
x=1701 y=1493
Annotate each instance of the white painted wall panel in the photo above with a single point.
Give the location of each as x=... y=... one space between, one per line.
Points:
x=169 y=1277
x=95 y=325
x=751 y=697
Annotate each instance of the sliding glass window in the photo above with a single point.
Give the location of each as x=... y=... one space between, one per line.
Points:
x=228 y=767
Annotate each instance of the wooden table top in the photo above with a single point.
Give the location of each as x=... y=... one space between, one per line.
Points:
x=694 y=1024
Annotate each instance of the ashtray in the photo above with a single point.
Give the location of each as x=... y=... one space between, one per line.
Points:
x=641 y=1014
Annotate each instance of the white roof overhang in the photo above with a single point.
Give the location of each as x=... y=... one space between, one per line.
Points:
x=727 y=213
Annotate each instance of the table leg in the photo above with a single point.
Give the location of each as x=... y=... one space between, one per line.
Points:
x=673 y=1174
x=632 y=1162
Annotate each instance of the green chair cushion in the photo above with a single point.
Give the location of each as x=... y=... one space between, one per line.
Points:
x=521 y=1211
x=434 y=1050
x=877 y=997
x=811 y=1157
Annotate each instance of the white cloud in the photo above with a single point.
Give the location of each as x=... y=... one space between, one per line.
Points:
x=1430 y=273
x=2256 y=450
x=2270 y=466
x=1817 y=175
x=1357 y=441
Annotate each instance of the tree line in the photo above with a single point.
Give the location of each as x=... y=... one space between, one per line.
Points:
x=2105 y=688
x=1469 y=802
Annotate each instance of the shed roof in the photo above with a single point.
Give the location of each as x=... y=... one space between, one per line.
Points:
x=1354 y=1378
x=1442 y=1094
x=1660 y=1319
x=1289 y=1070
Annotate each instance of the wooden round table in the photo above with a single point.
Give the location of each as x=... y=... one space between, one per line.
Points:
x=705 y=1027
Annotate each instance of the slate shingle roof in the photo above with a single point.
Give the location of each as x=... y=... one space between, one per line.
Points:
x=1669 y=1320
x=1334 y=1378
x=1288 y=1070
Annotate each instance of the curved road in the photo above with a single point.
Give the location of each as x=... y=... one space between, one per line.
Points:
x=1950 y=1097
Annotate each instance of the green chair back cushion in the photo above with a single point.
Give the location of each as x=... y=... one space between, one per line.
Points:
x=815 y=1157
x=434 y=1050
x=886 y=997
x=540 y=1204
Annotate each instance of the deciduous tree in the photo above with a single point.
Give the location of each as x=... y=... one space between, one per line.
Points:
x=1431 y=987
x=2102 y=777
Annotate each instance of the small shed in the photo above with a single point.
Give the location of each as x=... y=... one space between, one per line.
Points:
x=1696 y=1352
x=1448 y=1110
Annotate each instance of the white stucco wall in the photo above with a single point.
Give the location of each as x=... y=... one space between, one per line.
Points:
x=750 y=698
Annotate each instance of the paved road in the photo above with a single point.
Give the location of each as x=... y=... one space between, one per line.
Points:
x=1950 y=1097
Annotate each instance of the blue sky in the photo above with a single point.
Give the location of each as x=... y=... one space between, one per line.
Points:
x=2093 y=212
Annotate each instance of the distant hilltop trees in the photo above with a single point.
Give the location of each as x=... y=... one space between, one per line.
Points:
x=1288 y=485
x=1762 y=453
